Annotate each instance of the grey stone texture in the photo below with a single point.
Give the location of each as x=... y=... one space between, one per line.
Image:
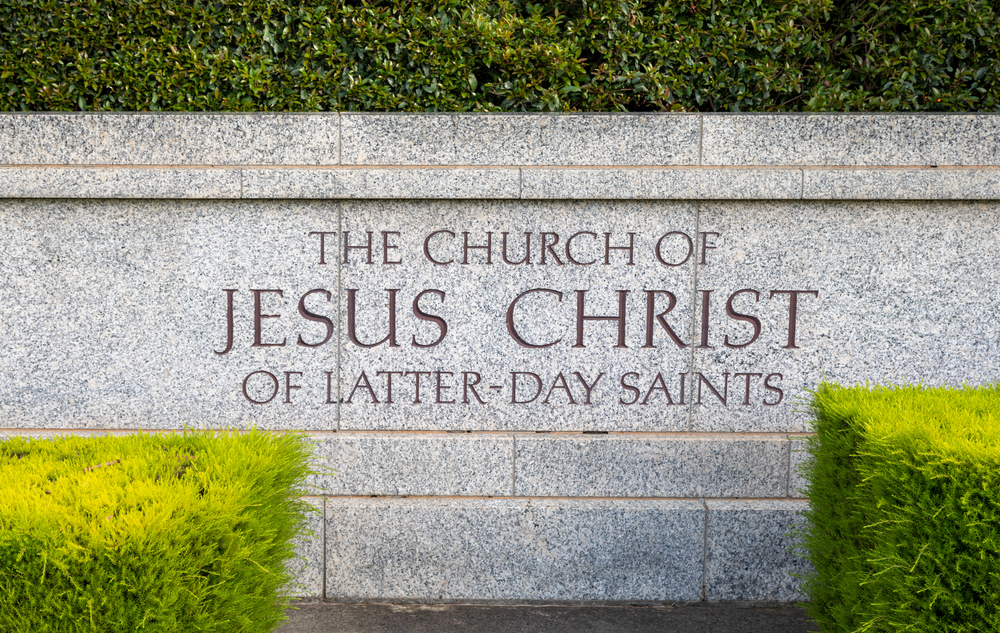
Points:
x=660 y=184
x=519 y=139
x=121 y=182
x=414 y=464
x=169 y=139
x=637 y=465
x=307 y=566
x=381 y=183
x=507 y=549
x=572 y=385
x=113 y=312
x=752 y=551
x=901 y=184
x=901 y=296
x=586 y=483
x=851 y=139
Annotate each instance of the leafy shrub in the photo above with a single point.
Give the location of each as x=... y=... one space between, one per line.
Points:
x=511 y=55
x=904 y=515
x=148 y=532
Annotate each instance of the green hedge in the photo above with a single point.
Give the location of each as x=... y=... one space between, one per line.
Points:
x=475 y=55
x=904 y=514
x=148 y=532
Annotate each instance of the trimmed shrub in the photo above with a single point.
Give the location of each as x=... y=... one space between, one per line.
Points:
x=183 y=532
x=904 y=512
x=511 y=55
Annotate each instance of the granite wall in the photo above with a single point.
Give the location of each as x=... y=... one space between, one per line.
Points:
x=550 y=357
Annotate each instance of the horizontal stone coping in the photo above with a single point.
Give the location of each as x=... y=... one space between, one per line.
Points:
x=556 y=465
x=456 y=139
x=502 y=183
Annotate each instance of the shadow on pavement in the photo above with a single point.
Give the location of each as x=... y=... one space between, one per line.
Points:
x=446 y=618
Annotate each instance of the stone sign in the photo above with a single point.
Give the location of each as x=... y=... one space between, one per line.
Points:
x=558 y=357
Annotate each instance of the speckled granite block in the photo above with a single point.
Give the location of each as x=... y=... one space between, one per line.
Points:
x=751 y=552
x=397 y=139
x=797 y=484
x=42 y=434
x=169 y=139
x=493 y=549
x=661 y=184
x=113 y=313
x=118 y=182
x=851 y=139
x=620 y=139
x=439 y=139
x=468 y=377
x=307 y=566
x=886 y=292
x=374 y=183
x=902 y=184
x=430 y=183
x=519 y=139
x=651 y=466
x=415 y=464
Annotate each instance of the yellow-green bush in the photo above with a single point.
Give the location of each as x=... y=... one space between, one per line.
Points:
x=181 y=532
x=904 y=514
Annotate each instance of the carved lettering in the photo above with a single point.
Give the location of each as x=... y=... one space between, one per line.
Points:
x=364 y=247
x=581 y=317
x=258 y=318
x=274 y=391
x=659 y=252
x=466 y=247
x=705 y=246
x=650 y=309
x=322 y=244
x=513 y=386
x=736 y=316
x=527 y=250
x=630 y=249
x=424 y=316
x=311 y=316
x=427 y=248
x=229 y=322
x=723 y=397
x=569 y=243
x=793 y=304
x=512 y=330
x=352 y=319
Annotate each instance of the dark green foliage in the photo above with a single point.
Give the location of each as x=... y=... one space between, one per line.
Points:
x=905 y=509
x=479 y=55
x=148 y=532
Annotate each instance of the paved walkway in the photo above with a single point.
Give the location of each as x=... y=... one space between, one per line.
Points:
x=440 y=618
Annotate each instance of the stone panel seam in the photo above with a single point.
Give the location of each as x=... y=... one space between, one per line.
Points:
x=704 y=554
x=802 y=184
x=513 y=465
x=340 y=316
x=788 y=474
x=701 y=136
x=694 y=435
x=556 y=498
x=323 y=537
x=340 y=139
x=453 y=125
x=694 y=317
